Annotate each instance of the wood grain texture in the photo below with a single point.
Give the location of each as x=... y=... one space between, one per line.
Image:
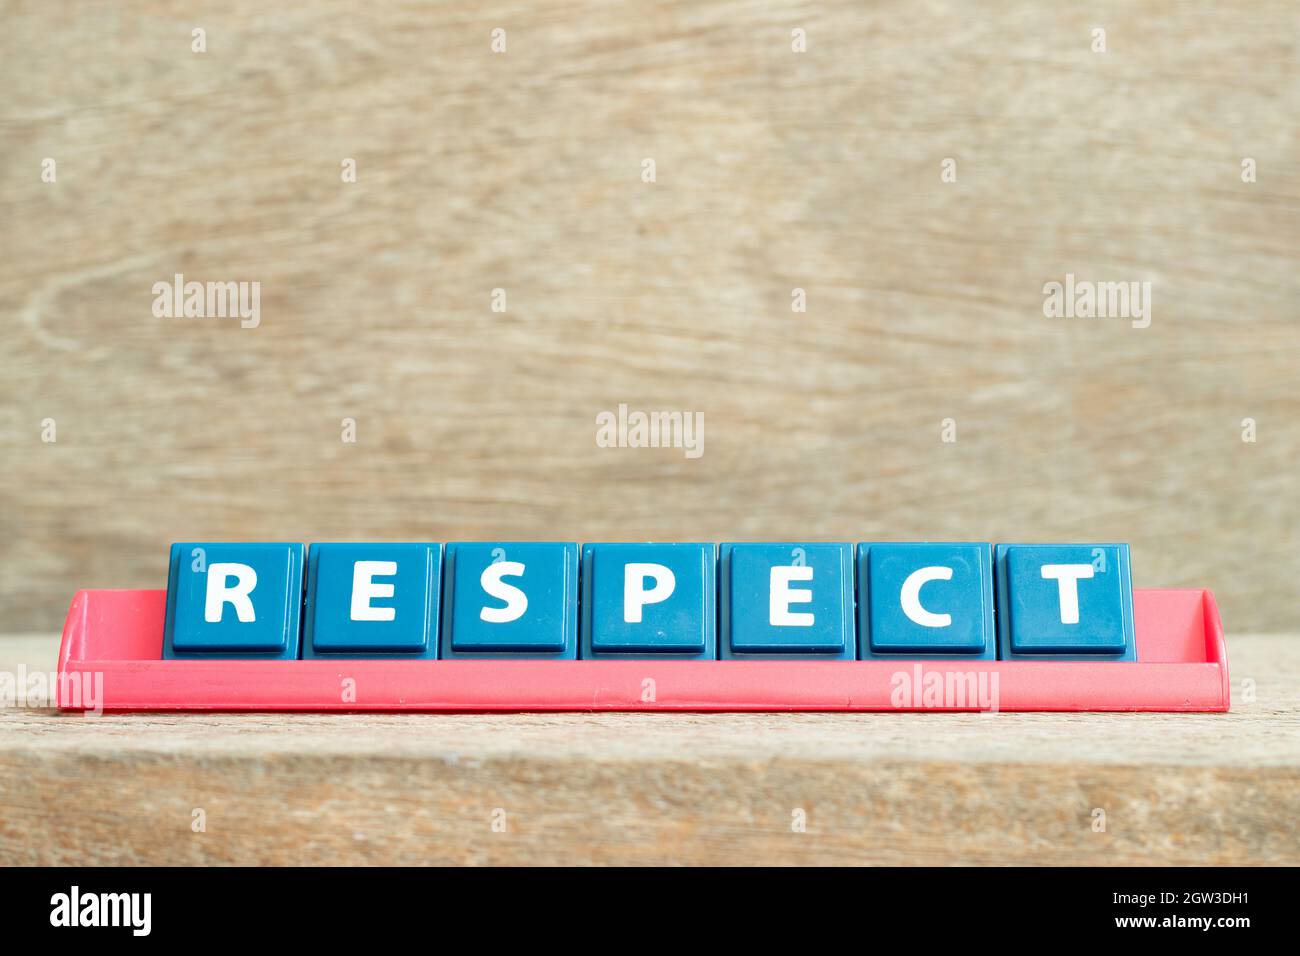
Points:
x=775 y=170
x=656 y=788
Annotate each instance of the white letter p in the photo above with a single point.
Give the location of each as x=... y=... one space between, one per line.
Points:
x=635 y=596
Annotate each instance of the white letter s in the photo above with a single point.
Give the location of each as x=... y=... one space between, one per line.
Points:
x=516 y=600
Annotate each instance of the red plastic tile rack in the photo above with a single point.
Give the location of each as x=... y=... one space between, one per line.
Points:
x=117 y=635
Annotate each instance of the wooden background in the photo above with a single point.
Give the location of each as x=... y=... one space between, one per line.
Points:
x=775 y=170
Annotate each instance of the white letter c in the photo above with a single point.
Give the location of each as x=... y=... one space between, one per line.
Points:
x=911 y=597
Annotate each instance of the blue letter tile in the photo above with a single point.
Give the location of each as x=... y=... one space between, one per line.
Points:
x=372 y=600
x=233 y=600
x=508 y=599
x=649 y=601
x=785 y=601
x=926 y=600
x=1065 y=601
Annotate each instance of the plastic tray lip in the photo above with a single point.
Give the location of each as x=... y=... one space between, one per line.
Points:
x=460 y=686
x=1216 y=644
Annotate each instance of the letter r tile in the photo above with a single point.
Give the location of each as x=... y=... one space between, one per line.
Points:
x=233 y=600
